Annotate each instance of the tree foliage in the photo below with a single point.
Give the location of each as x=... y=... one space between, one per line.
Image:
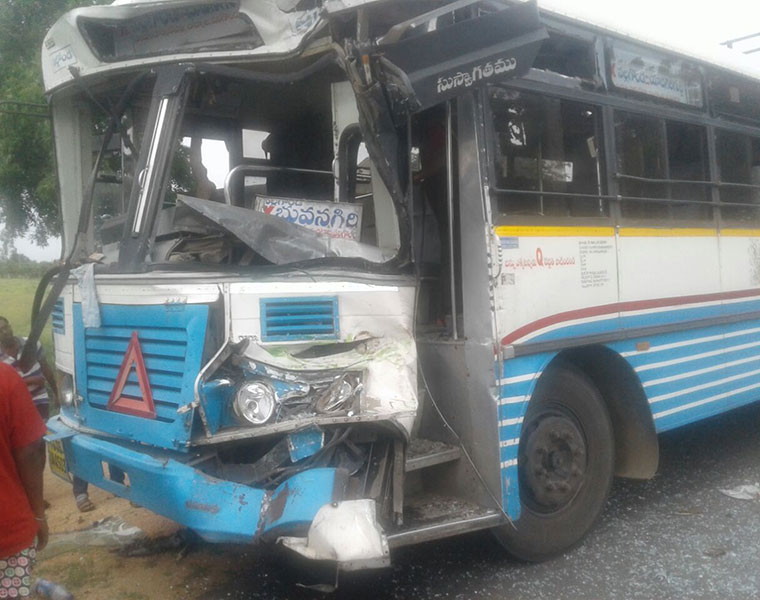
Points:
x=28 y=199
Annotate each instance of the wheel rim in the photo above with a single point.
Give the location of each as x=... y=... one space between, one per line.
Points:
x=552 y=460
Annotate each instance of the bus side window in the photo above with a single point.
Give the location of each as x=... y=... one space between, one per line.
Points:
x=546 y=145
x=640 y=144
x=738 y=162
x=687 y=161
x=655 y=160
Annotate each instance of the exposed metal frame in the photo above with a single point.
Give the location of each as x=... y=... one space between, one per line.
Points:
x=450 y=215
x=437 y=531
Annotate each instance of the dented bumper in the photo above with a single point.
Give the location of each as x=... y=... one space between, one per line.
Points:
x=218 y=510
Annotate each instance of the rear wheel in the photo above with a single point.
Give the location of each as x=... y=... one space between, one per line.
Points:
x=565 y=466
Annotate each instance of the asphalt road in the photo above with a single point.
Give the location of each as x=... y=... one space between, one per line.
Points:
x=675 y=536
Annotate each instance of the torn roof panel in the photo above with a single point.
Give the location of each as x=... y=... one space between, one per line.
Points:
x=101 y=39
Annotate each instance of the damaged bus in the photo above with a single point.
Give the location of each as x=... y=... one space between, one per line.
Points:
x=355 y=274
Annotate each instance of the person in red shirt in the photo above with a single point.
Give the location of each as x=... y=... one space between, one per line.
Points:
x=23 y=527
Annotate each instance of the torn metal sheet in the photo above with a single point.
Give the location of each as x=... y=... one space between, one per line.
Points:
x=184 y=28
x=347 y=533
x=277 y=240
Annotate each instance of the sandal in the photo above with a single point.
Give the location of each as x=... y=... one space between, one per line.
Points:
x=84 y=504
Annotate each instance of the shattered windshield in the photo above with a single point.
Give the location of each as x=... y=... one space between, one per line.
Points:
x=252 y=177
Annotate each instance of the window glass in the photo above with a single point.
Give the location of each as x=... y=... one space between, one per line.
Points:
x=549 y=146
x=738 y=162
x=117 y=171
x=655 y=160
x=640 y=147
x=567 y=56
x=198 y=169
x=687 y=161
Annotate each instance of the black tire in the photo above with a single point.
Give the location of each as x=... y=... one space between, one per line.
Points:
x=565 y=466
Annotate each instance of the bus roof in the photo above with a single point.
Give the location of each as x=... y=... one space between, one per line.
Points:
x=138 y=33
x=715 y=55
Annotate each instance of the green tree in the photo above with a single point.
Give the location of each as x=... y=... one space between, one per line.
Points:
x=28 y=199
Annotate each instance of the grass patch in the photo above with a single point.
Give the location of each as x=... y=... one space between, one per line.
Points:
x=16 y=298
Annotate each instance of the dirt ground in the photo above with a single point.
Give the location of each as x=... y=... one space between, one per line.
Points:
x=98 y=573
x=673 y=537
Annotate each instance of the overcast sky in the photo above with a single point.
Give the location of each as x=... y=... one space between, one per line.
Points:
x=695 y=24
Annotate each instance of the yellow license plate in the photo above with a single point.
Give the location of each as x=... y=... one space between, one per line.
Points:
x=57 y=459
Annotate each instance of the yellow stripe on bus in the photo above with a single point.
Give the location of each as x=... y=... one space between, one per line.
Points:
x=740 y=232
x=559 y=231
x=667 y=232
x=548 y=231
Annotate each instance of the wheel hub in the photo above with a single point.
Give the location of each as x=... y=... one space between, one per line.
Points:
x=552 y=461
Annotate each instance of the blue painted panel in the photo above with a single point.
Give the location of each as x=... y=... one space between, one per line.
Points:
x=218 y=510
x=614 y=321
x=217 y=399
x=295 y=502
x=518 y=381
x=690 y=375
x=694 y=413
x=602 y=325
x=299 y=319
x=171 y=339
x=305 y=443
x=668 y=317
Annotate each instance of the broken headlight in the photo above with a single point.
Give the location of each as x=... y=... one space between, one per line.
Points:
x=339 y=395
x=66 y=388
x=255 y=402
x=270 y=395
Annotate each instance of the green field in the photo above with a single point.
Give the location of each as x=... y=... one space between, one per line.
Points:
x=16 y=297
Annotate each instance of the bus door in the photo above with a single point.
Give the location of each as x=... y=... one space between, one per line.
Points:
x=429 y=67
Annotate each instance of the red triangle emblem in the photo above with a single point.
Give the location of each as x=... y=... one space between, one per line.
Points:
x=120 y=402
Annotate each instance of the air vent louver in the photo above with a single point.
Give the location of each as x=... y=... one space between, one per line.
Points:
x=299 y=319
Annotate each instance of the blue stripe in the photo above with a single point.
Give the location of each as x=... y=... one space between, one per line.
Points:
x=640 y=360
x=621 y=322
x=516 y=367
x=698 y=413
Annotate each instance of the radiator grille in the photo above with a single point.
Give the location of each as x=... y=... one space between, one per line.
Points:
x=171 y=341
x=163 y=349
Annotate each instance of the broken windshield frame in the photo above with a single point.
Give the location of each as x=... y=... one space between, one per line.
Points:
x=291 y=185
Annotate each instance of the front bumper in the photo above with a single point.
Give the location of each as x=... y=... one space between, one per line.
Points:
x=218 y=510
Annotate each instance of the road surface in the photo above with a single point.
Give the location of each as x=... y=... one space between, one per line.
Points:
x=675 y=536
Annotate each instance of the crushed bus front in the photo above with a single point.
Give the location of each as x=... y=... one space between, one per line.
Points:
x=250 y=443
x=236 y=329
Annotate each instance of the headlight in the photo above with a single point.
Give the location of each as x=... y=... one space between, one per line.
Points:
x=255 y=402
x=66 y=388
x=339 y=395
